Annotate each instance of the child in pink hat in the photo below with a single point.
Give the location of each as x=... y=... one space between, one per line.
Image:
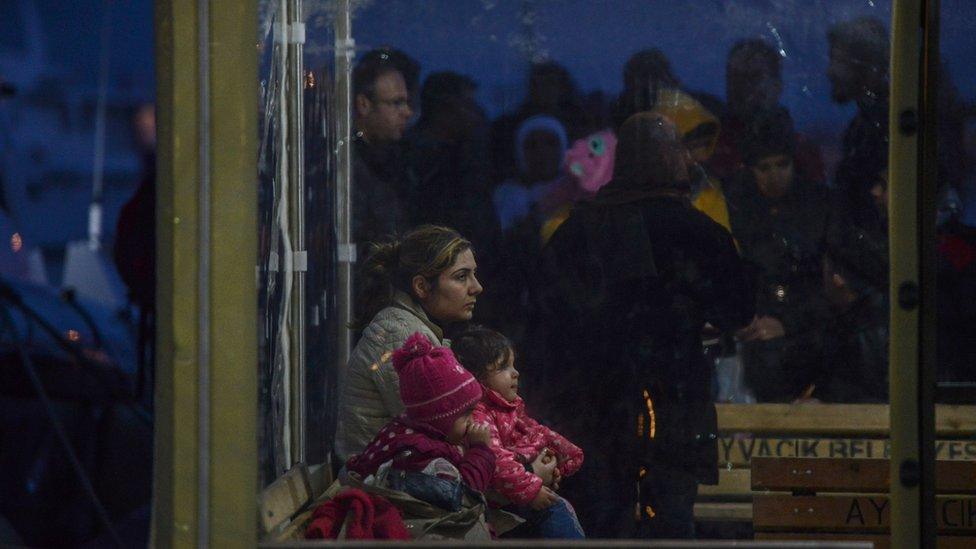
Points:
x=439 y=396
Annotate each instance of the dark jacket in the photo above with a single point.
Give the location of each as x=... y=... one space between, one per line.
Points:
x=377 y=205
x=864 y=156
x=783 y=242
x=631 y=278
x=856 y=353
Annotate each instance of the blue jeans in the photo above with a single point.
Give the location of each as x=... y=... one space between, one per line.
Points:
x=558 y=521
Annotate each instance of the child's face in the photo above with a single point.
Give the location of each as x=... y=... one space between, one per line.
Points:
x=460 y=428
x=503 y=378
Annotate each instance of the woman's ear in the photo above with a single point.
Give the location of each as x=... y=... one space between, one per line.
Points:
x=420 y=287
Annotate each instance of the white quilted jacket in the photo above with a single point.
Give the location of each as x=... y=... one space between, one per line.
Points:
x=369 y=391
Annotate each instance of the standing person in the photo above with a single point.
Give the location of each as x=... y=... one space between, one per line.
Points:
x=523 y=205
x=754 y=84
x=552 y=92
x=858 y=72
x=780 y=223
x=135 y=248
x=423 y=283
x=630 y=280
x=382 y=111
x=446 y=159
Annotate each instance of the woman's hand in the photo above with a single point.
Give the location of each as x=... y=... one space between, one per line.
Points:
x=762 y=328
x=544 y=466
x=478 y=433
x=544 y=499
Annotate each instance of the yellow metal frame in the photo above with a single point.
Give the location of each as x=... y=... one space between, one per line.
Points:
x=903 y=234
x=221 y=155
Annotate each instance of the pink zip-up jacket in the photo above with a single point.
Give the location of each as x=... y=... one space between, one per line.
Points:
x=516 y=440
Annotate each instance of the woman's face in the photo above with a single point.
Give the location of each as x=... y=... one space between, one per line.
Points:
x=774 y=175
x=452 y=299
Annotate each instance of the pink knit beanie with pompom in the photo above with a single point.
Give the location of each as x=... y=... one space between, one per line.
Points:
x=435 y=388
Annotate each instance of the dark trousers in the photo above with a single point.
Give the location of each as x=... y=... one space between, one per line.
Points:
x=667 y=497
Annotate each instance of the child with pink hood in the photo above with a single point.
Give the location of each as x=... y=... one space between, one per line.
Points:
x=530 y=458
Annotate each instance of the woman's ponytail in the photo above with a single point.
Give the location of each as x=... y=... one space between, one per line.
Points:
x=375 y=281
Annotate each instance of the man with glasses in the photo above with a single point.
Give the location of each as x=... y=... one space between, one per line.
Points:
x=382 y=110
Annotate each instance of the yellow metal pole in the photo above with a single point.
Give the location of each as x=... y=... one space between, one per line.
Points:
x=911 y=228
x=206 y=392
x=175 y=475
x=233 y=328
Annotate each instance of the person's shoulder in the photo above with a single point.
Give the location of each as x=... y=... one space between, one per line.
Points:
x=394 y=325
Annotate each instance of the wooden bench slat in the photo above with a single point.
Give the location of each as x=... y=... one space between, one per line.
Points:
x=284 y=498
x=851 y=475
x=723 y=512
x=858 y=420
x=732 y=483
x=865 y=514
x=880 y=541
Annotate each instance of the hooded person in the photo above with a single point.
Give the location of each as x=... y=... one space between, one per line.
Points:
x=632 y=277
x=699 y=130
x=540 y=149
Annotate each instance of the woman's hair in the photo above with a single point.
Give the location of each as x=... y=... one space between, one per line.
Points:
x=425 y=251
x=479 y=349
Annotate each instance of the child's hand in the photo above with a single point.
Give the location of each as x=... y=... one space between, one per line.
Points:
x=543 y=467
x=556 y=477
x=478 y=433
x=544 y=499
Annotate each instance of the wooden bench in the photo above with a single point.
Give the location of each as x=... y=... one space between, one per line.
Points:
x=858 y=431
x=846 y=499
x=285 y=506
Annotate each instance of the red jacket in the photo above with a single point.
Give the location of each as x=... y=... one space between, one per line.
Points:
x=516 y=440
x=412 y=445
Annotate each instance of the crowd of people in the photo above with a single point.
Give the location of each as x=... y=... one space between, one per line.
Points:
x=612 y=253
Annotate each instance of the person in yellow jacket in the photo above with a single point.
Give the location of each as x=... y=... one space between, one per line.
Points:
x=699 y=131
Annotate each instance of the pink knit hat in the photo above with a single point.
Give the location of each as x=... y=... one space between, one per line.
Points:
x=435 y=389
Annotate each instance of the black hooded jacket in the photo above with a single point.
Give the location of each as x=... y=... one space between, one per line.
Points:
x=631 y=278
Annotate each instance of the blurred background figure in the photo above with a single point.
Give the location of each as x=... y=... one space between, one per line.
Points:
x=858 y=73
x=448 y=177
x=523 y=205
x=956 y=283
x=780 y=221
x=135 y=248
x=753 y=84
x=551 y=92
x=855 y=282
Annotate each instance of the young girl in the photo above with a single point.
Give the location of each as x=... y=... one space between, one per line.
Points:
x=530 y=459
x=439 y=396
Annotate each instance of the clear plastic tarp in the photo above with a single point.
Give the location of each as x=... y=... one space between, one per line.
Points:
x=654 y=207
